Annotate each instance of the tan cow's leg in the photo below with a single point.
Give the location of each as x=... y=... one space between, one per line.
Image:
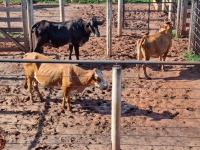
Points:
x=145 y=66
x=66 y=99
x=138 y=65
x=37 y=90
x=30 y=88
x=25 y=83
x=138 y=70
x=63 y=102
x=68 y=104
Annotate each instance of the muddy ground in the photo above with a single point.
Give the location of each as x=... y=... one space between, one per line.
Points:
x=162 y=113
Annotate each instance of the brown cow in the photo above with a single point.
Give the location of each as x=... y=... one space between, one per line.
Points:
x=69 y=77
x=155 y=45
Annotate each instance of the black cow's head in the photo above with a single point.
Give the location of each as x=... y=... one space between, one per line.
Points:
x=93 y=26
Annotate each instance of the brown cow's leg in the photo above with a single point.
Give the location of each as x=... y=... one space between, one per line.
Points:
x=164 y=57
x=160 y=66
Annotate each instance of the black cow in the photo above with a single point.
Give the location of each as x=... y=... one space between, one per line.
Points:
x=74 y=32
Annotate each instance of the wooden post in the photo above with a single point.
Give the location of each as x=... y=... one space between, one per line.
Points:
x=170 y=10
x=7 y=12
x=62 y=10
x=163 y=5
x=109 y=27
x=120 y=17
x=183 y=17
x=192 y=23
x=30 y=22
x=25 y=25
x=178 y=19
x=116 y=107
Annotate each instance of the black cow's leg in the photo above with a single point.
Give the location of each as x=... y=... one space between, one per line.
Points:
x=76 y=47
x=70 y=51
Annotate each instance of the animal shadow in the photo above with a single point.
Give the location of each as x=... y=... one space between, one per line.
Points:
x=104 y=107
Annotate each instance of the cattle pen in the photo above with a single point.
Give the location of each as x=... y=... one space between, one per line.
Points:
x=131 y=114
x=33 y=125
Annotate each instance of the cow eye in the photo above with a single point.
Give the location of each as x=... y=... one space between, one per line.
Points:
x=98 y=79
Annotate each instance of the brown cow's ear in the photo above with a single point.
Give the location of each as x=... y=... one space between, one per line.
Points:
x=168 y=22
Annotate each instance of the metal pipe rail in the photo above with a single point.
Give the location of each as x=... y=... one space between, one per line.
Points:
x=112 y=62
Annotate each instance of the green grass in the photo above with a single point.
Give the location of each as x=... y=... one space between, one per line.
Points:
x=191 y=55
x=13 y=34
x=173 y=33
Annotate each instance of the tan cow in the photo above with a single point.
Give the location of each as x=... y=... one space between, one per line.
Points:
x=69 y=77
x=155 y=45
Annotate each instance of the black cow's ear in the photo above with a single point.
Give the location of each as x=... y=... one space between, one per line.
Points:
x=101 y=22
x=94 y=18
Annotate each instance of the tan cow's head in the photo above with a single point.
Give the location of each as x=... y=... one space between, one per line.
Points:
x=97 y=79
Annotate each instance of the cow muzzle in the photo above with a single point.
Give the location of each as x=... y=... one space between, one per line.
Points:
x=102 y=85
x=97 y=34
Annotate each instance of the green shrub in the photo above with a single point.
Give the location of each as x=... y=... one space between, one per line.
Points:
x=191 y=55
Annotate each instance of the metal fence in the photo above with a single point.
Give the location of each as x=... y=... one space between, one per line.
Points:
x=155 y=114
x=194 y=41
x=148 y=15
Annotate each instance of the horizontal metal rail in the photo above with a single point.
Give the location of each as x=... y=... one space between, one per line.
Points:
x=112 y=62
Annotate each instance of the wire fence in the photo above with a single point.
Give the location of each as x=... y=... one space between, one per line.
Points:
x=147 y=15
x=162 y=113
x=195 y=29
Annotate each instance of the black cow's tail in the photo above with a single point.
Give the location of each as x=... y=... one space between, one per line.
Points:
x=32 y=31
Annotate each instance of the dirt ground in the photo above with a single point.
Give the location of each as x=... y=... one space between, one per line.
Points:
x=162 y=113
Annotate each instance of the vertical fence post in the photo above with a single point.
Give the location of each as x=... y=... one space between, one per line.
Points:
x=62 y=10
x=109 y=27
x=25 y=24
x=120 y=14
x=170 y=10
x=116 y=107
x=183 y=17
x=7 y=12
x=163 y=5
x=30 y=22
x=178 y=19
x=191 y=30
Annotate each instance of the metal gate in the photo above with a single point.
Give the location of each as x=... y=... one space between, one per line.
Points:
x=13 y=27
x=153 y=13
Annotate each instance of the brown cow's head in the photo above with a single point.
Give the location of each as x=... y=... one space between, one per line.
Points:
x=165 y=26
